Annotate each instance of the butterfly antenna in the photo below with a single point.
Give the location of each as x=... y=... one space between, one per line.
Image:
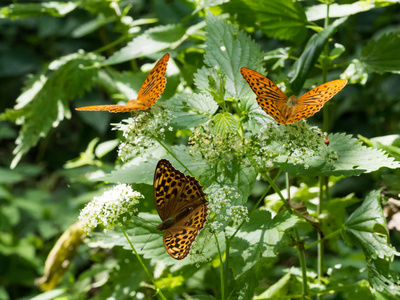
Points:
x=146 y=242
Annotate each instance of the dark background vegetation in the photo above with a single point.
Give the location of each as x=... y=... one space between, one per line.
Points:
x=40 y=199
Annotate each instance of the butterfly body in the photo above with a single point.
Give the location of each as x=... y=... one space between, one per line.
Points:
x=288 y=110
x=148 y=95
x=182 y=207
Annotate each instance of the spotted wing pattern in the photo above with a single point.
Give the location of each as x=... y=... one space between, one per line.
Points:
x=288 y=110
x=269 y=96
x=179 y=200
x=312 y=101
x=149 y=93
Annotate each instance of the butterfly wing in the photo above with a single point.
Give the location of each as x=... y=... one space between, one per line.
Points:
x=150 y=91
x=178 y=239
x=312 y=101
x=269 y=96
x=109 y=108
x=154 y=84
x=168 y=185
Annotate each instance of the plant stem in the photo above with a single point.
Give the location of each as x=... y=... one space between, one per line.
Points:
x=227 y=246
x=221 y=268
x=327 y=237
x=320 y=243
x=173 y=155
x=300 y=248
x=277 y=190
x=158 y=290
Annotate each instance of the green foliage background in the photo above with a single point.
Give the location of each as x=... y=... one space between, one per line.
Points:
x=55 y=56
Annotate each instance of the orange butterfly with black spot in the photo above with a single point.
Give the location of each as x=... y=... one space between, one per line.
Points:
x=149 y=93
x=182 y=207
x=288 y=110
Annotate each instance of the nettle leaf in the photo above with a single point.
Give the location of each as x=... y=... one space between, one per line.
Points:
x=151 y=41
x=241 y=177
x=257 y=118
x=303 y=66
x=385 y=283
x=258 y=241
x=366 y=227
x=318 y=12
x=224 y=123
x=231 y=48
x=353 y=159
x=381 y=56
x=54 y=9
x=283 y=19
x=149 y=242
x=141 y=170
x=201 y=79
x=45 y=103
x=191 y=110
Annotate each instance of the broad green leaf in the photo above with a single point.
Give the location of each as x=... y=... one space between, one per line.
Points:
x=318 y=12
x=151 y=41
x=24 y=10
x=231 y=48
x=303 y=66
x=256 y=117
x=240 y=176
x=381 y=55
x=44 y=104
x=149 y=243
x=201 y=79
x=259 y=240
x=8 y=176
x=141 y=170
x=191 y=110
x=366 y=227
x=353 y=159
x=385 y=283
x=225 y=123
x=91 y=26
x=282 y=19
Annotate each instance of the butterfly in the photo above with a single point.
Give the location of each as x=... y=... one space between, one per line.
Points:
x=182 y=207
x=288 y=110
x=149 y=93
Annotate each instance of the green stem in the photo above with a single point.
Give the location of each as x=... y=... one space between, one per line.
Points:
x=174 y=156
x=300 y=248
x=277 y=190
x=320 y=244
x=319 y=241
x=221 y=268
x=227 y=246
x=158 y=290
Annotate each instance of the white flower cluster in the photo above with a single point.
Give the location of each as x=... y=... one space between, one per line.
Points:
x=110 y=208
x=222 y=212
x=299 y=142
x=219 y=148
x=141 y=131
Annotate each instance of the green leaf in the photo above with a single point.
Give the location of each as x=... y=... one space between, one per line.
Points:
x=318 y=12
x=54 y=9
x=303 y=66
x=366 y=227
x=381 y=56
x=353 y=159
x=149 y=242
x=91 y=26
x=278 y=289
x=141 y=170
x=225 y=123
x=384 y=282
x=151 y=41
x=8 y=176
x=283 y=19
x=257 y=118
x=44 y=104
x=191 y=110
x=105 y=147
x=242 y=177
x=259 y=240
x=231 y=48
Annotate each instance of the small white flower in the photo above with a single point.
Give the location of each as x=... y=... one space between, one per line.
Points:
x=108 y=208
